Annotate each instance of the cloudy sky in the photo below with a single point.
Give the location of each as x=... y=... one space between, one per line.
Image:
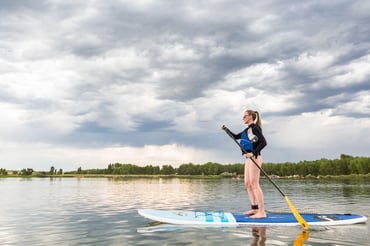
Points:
x=88 y=82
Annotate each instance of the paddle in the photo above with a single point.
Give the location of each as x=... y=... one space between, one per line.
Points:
x=292 y=208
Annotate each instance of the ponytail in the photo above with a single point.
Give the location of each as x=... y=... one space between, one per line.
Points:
x=259 y=120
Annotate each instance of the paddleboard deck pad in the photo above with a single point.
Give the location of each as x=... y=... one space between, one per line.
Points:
x=220 y=218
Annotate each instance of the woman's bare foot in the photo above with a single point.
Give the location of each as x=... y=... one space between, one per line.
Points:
x=252 y=211
x=259 y=215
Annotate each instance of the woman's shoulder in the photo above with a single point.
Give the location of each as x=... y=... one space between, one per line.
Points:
x=255 y=127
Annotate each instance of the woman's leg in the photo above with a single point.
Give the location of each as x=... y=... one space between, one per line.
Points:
x=248 y=179
x=256 y=188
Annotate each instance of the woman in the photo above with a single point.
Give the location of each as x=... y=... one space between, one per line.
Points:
x=253 y=135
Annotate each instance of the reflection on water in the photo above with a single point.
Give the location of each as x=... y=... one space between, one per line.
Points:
x=301 y=238
x=70 y=211
x=259 y=236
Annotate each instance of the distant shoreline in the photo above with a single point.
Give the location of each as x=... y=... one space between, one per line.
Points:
x=133 y=176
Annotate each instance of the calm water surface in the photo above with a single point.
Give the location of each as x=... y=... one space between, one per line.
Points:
x=103 y=211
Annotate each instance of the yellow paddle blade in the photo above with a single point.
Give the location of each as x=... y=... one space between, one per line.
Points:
x=299 y=241
x=296 y=214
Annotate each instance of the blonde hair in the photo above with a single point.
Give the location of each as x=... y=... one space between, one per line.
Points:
x=255 y=116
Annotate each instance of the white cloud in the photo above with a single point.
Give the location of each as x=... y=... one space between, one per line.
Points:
x=178 y=52
x=313 y=62
x=264 y=24
x=359 y=104
x=259 y=75
x=356 y=72
x=318 y=134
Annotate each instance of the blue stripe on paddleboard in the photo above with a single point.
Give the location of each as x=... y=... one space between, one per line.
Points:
x=289 y=217
x=212 y=216
x=209 y=217
x=222 y=216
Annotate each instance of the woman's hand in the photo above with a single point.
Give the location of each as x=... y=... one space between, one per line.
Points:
x=249 y=155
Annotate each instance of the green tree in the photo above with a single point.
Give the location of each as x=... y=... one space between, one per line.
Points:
x=359 y=165
x=151 y=170
x=26 y=172
x=110 y=169
x=52 y=170
x=3 y=172
x=189 y=169
x=302 y=169
x=167 y=169
x=325 y=167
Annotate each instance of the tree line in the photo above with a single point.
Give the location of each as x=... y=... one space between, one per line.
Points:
x=345 y=165
x=30 y=171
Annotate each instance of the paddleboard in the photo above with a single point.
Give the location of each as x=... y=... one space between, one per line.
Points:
x=221 y=218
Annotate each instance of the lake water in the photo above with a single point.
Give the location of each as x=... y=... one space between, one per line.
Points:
x=103 y=211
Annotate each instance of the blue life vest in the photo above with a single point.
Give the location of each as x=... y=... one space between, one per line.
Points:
x=246 y=143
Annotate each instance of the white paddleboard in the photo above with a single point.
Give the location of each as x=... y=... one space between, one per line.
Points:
x=220 y=218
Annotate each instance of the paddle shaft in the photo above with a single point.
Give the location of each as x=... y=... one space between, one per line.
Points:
x=292 y=208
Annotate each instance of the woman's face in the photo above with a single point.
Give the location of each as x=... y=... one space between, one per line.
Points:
x=247 y=117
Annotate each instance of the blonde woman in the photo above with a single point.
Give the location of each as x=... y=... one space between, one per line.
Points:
x=253 y=142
